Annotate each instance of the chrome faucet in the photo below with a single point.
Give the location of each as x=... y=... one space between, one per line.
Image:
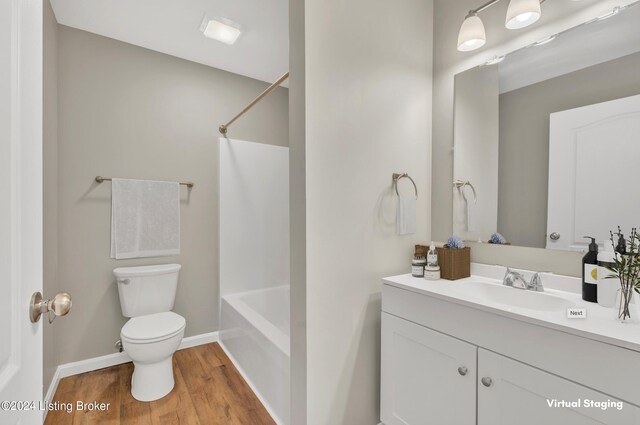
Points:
x=517 y=280
x=536 y=283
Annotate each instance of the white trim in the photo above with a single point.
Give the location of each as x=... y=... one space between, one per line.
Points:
x=88 y=365
x=53 y=387
x=202 y=339
x=264 y=402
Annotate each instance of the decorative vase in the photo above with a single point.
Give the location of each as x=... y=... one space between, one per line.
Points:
x=626 y=310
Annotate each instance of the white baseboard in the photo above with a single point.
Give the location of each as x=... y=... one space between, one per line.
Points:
x=88 y=365
x=202 y=339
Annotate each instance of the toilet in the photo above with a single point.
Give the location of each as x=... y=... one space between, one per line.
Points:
x=153 y=332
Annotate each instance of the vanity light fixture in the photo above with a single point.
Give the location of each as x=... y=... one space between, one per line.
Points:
x=220 y=29
x=472 y=35
x=520 y=14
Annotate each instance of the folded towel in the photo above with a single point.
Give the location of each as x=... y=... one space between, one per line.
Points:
x=406 y=217
x=145 y=218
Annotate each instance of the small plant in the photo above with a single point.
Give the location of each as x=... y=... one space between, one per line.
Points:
x=626 y=269
x=497 y=239
x=454 y=242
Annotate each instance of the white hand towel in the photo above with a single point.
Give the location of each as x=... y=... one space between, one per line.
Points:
x=145 y=218
x=471 y=217
x=406 y=217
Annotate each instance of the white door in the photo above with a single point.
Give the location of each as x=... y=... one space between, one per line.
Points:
x=427 y=377
x=510 y=392
x=20 y=209
x=593 y=169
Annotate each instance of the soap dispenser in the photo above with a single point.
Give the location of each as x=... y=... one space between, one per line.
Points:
x=590 y=272
x=432 y=269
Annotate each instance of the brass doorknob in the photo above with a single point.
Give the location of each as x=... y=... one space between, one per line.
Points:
x=58 y=305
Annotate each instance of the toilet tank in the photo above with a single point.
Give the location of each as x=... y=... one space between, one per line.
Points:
x=147 y=289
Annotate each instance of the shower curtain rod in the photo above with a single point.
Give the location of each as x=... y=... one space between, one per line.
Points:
x=224 y=127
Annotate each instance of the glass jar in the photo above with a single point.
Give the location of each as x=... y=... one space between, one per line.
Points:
x=417 y=266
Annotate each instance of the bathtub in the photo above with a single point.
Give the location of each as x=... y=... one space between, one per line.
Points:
x=254 y=333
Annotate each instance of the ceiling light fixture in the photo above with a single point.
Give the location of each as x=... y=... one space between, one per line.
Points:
x=220 y=29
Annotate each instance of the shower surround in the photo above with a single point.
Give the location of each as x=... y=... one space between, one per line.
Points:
x=254 y=267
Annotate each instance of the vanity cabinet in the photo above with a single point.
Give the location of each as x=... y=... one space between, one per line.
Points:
x=443 y=363
x=427 y=377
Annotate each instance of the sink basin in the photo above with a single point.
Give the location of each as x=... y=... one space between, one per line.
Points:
x=513 y=297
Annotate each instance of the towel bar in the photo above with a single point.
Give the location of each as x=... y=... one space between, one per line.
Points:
x=101 y=179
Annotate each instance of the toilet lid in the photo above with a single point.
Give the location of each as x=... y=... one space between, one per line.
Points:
x=153 y=326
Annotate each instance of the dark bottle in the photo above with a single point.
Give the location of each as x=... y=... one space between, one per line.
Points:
x=590 y=273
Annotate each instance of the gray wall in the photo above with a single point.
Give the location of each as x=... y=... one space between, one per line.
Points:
x=50 y=186
x=557 y=16
x=524 y=140
x=125 y=111
x=368 y=108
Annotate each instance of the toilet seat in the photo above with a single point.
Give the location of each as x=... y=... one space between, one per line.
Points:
x=152 y=327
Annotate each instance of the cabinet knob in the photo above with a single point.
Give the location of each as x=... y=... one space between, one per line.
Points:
x=554 y=236
x=462 y=370
x=486 y=381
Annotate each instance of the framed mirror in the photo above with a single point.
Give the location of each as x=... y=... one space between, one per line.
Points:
x=547 y=138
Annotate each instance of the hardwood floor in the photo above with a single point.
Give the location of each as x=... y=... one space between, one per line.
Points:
x=208 y=391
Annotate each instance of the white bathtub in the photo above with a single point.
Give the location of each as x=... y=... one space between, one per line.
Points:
x=254 y=332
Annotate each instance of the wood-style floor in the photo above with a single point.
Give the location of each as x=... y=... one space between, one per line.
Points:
x=208 y=391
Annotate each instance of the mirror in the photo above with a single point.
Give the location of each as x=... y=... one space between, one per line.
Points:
x=547 y=139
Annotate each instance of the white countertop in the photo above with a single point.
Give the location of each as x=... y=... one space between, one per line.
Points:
x=600 y=323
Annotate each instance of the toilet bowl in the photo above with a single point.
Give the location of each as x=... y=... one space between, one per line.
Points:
x=150 y=342
x=153 y=332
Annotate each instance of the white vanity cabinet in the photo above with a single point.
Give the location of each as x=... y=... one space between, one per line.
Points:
x=447 y=363
x=427 y=377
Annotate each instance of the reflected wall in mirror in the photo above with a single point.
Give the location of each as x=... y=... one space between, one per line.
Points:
x=549 y=139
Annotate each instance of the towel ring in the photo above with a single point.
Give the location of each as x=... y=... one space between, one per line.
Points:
x=397 y=177
x=460 y=185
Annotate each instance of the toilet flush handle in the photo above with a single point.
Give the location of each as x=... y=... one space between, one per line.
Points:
x=124 y=281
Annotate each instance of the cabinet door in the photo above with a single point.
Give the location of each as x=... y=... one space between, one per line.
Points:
x=427 y=377
x=510 y=392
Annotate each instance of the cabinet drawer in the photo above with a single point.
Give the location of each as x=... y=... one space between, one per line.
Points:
x=427 y=377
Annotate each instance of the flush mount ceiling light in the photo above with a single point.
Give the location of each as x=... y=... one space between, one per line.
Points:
x=220 y=29
x=520 y=14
